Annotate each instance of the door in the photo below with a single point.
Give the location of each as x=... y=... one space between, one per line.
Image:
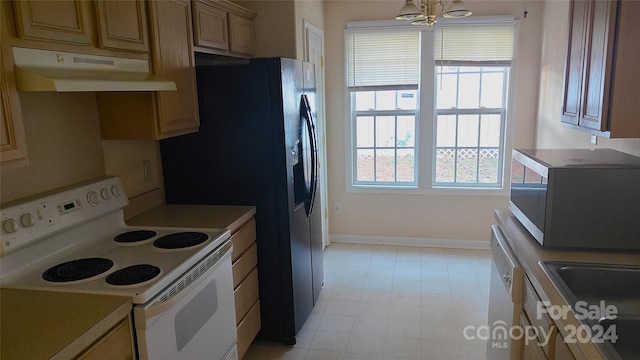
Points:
x=314 y=53
x=302 y=237
x=315 y=213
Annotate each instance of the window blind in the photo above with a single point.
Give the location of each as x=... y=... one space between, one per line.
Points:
x=474 y=44
x=382 y=57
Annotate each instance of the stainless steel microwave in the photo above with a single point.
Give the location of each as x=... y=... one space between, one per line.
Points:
x=577 y=198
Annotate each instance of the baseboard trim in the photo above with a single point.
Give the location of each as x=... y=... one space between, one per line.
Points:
x=410 y=241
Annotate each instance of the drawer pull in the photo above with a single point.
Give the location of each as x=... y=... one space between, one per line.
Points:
x=507 y=279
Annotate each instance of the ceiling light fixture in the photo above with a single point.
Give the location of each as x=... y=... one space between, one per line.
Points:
x=425 y=13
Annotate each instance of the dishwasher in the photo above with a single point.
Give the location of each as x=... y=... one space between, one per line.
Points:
x=505 y=300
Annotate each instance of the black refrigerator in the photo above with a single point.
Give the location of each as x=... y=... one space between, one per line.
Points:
x=257 y=146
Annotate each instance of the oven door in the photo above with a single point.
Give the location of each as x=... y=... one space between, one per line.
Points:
x=194 y=318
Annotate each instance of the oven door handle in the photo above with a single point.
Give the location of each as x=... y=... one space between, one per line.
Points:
x=159 y=306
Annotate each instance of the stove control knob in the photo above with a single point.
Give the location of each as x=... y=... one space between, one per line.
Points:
x=105 y=193
x=27 y=220
x=93 y=198
x=10 y=226
x=115 y=190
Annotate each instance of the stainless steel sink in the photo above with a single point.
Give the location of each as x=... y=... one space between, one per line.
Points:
x=598 y=286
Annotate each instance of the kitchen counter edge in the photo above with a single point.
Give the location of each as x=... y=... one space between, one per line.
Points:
x=230 y=217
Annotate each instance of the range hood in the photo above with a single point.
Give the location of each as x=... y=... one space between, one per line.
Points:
x=46 y=70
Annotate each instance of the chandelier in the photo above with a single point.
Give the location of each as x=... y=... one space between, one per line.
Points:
x=425 y=13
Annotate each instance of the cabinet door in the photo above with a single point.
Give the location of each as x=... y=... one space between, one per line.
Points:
x=597 y=63
x=530 y=350
x=12 y=141
x=172 y=53
x=122 y=25
x=61 y=21
x=114 y=345
x=573 y=67
x=562 y=352
x=240 y=35
x=210 y=26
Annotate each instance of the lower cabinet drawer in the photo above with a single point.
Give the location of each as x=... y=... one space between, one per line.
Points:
x=246 y=294
x=243 y=239
x=116 y=344
x=248 y=329
x=245 y=263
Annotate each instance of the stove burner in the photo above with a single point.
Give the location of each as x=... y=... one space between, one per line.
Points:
x=77 y=270
x=134 y=236
x=180 y=240
x=134 y=274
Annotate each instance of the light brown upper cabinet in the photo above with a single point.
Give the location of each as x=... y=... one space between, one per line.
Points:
x=161 y=114
x=223 y=28
x=104 y=24
x=122 y=25
x=602 y=73
x=62 y=21
x=13 y=147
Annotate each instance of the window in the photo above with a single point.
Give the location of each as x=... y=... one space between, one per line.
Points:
x=470 y=118
x=383 y=85
x=429 y=106
x=385 y=131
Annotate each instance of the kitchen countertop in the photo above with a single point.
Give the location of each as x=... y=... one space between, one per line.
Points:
x=196 y=216
x=529 y=252
x=56 y=325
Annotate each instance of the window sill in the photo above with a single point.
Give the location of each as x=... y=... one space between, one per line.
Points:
x=436 y=191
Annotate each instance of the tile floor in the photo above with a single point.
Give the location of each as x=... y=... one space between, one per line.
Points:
x=393 y=302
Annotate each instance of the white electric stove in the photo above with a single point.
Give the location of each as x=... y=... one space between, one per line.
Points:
x=76 y=240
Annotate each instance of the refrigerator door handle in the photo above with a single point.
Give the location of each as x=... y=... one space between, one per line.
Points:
x=311 y=133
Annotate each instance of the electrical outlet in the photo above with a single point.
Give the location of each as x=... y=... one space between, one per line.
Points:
x=146 y=170
x=337 y=207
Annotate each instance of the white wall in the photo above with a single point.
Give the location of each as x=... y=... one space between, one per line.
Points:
x=279 y=25
x=65 y=147
x=550 y=132
x=274 y=27
x=421 y=217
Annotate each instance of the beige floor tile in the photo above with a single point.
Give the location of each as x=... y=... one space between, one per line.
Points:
x=330 y=341
x=385 y=302
x=336 y=323
x=366 y=344
x=324 y=355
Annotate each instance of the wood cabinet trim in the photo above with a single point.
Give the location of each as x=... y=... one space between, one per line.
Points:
x=230 y=7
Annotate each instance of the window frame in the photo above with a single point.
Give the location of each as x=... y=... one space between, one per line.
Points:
x=426 y=124
x=373 y=113
x=502 y=111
